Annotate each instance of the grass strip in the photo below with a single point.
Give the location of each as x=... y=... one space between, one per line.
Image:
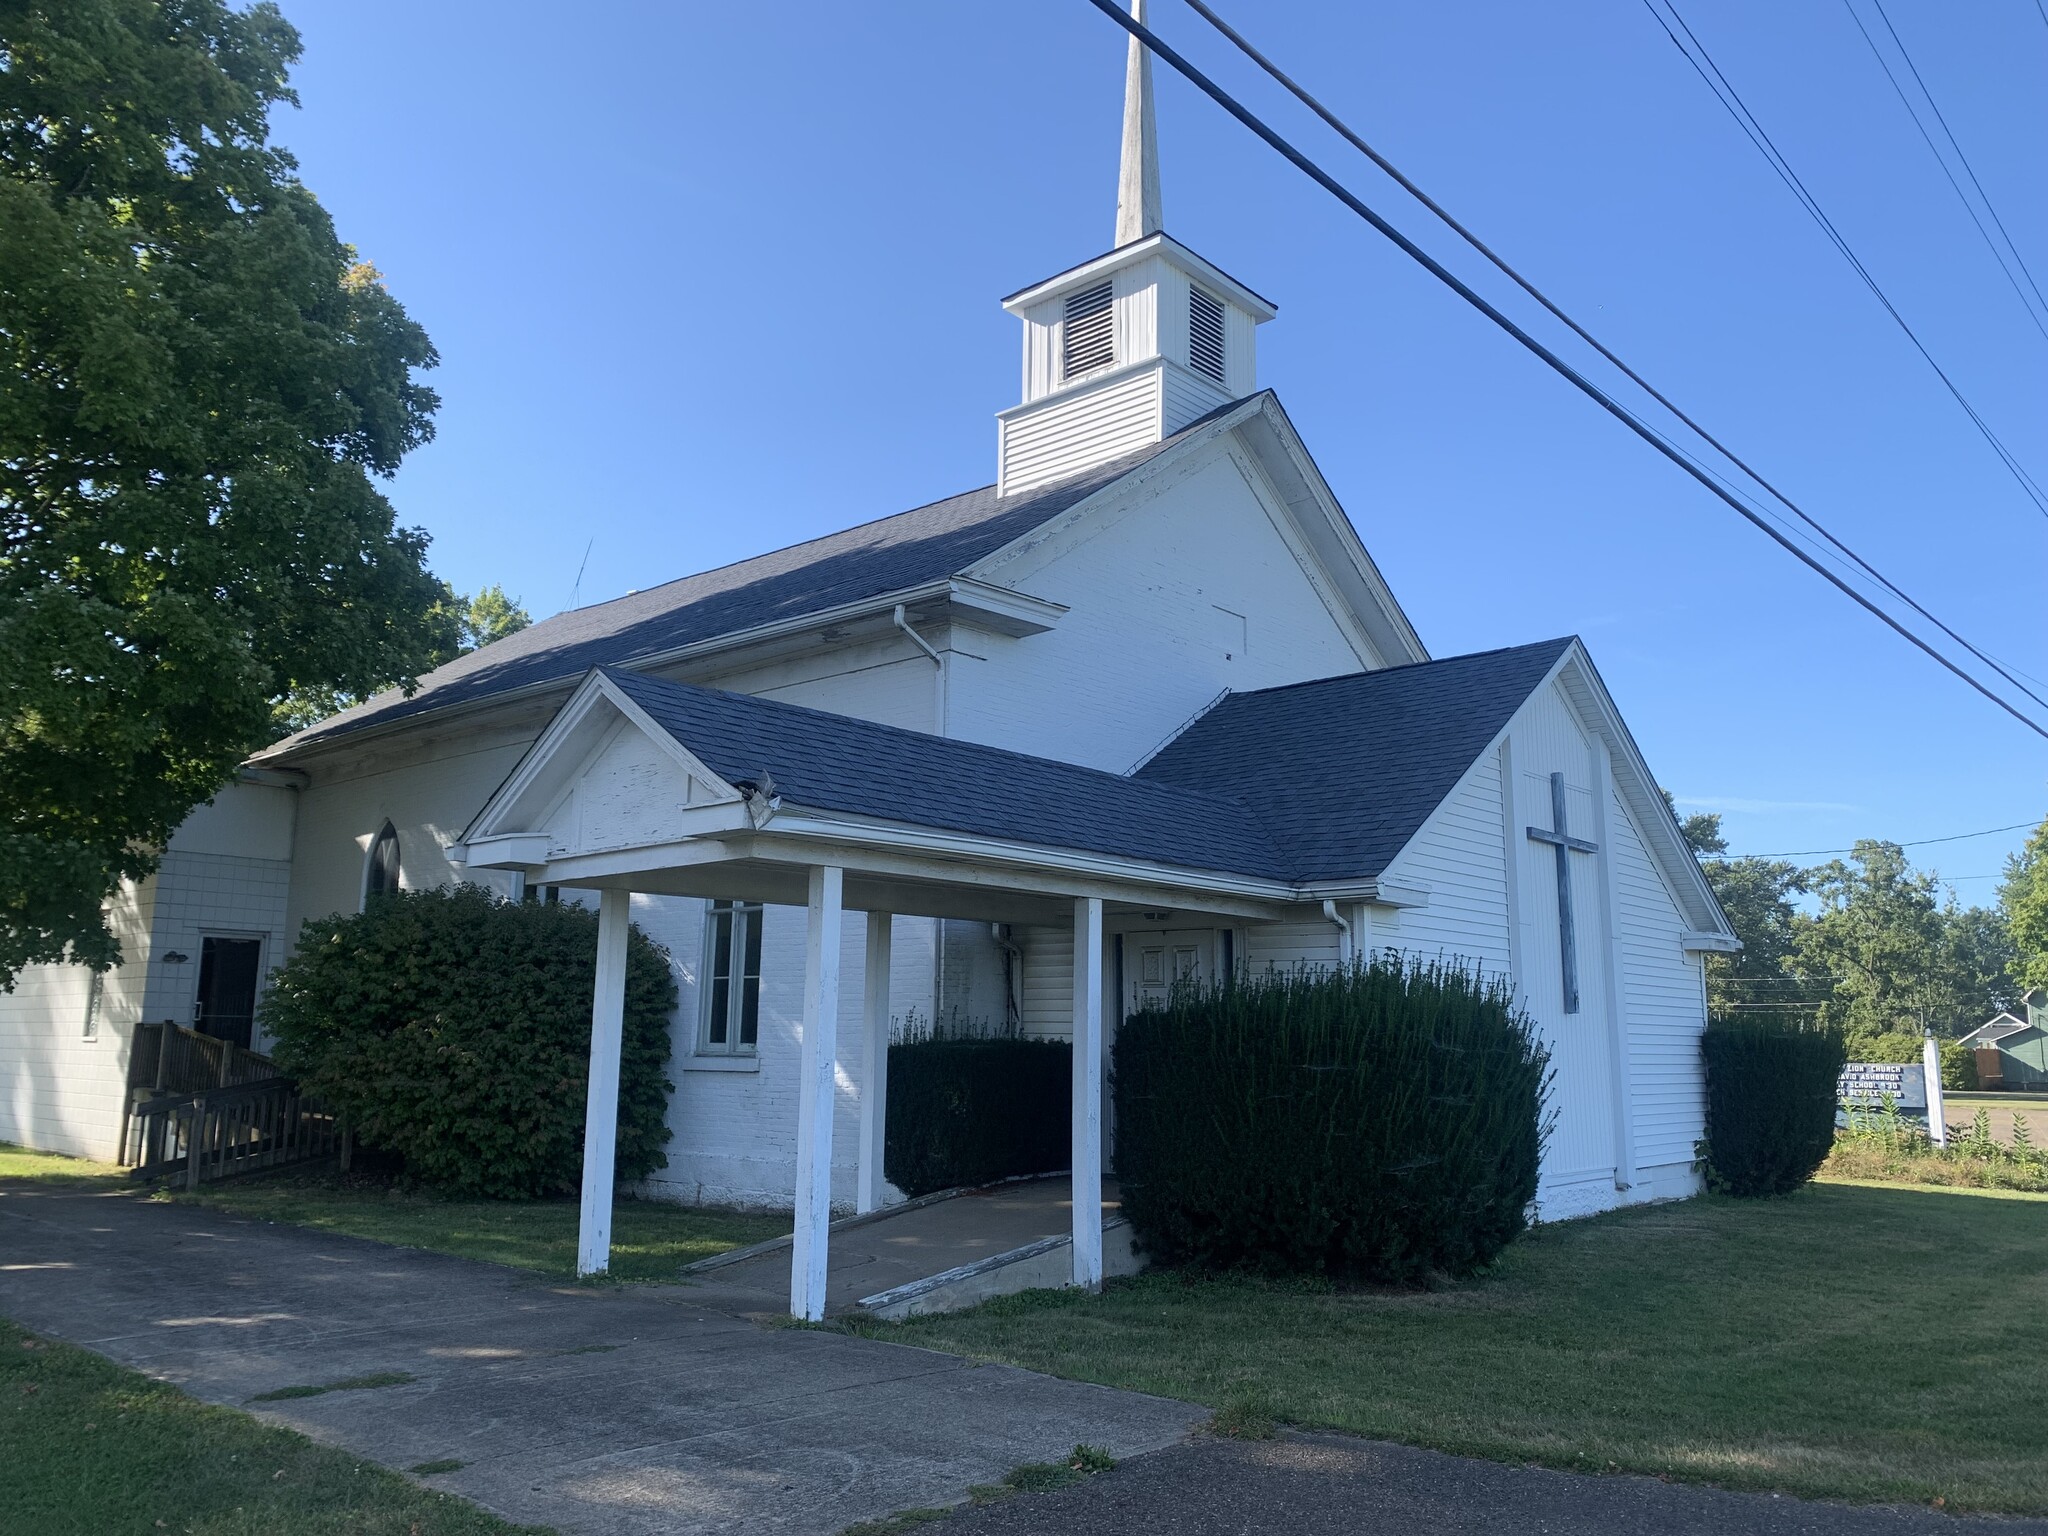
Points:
x=91 y=1448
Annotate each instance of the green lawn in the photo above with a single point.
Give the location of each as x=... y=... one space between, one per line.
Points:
x=1845 y=1342
x=650 y=1240
x=91 y=1448
x=21 y=1163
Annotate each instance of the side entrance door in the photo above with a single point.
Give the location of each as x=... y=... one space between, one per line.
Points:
x=228 y=972
x=1153 y=962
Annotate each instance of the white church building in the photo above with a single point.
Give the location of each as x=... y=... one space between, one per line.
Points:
x=1143 y=708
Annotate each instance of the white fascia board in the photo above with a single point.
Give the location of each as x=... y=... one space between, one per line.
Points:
x=510 y=850
x=983 y=605
x=1694 y=941
x=1297 y=482
x=1094 y=270
x=1374 y=893
x=1654 y=819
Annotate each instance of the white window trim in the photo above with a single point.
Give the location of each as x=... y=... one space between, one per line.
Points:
x=730 y=1054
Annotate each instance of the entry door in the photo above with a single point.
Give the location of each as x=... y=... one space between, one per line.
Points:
x=1153 y=962
x=228 y=970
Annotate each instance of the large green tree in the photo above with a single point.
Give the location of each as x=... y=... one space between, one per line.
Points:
x=1899 y=958
x=200 y=385
x=2023 y=902
x=1756 y=894
x=489 y=615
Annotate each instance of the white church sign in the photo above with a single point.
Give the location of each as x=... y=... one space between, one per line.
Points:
x=1870 y=1083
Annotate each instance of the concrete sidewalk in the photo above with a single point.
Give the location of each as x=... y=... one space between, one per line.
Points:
x=611 y=1409
x=892 y=1248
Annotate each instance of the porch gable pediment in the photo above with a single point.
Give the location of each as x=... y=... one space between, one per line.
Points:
x=601 y=777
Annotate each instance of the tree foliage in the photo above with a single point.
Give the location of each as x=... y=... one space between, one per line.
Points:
x=2023 y=904
x=200 y=384
x=1900 y=958
x=472 y=622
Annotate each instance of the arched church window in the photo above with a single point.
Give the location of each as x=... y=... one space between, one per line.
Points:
x=382 y=875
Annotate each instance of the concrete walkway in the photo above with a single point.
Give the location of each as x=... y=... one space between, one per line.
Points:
x=894 y=1248
x=610 y=1409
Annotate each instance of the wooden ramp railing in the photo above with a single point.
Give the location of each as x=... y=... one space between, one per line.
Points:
x=201 y=1108
x=220 y=1132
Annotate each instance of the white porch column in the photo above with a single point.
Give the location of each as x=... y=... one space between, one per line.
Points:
x=815 y=1098
x=601 y=1105
x=1088 y=1092
x=874 y=1086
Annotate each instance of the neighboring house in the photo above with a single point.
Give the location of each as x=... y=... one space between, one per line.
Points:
x=1142 y=709
x=2012 y=1052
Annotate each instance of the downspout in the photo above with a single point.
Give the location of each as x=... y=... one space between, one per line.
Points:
x=939 y=662
x=1343 y=932
x=1013 y=976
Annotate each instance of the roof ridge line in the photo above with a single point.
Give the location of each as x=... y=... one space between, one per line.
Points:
x=1405 y=666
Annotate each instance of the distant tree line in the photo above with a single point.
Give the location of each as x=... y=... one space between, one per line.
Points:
x=1870 y=945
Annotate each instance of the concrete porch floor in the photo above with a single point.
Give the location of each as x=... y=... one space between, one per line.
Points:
x=893 y=1248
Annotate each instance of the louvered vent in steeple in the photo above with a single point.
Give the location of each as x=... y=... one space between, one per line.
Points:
x=1090 y=331
x=1205 y=333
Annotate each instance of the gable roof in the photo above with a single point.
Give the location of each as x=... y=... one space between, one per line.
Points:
x=1343 y=772
x=1316 y=782
x=2004 y=1027
x=831 y=762
x=892 y=554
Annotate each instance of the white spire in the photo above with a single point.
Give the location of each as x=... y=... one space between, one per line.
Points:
x=1137 y=189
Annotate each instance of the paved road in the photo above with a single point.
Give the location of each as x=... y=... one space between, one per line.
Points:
x=1326 y=1485
x=622 y=1411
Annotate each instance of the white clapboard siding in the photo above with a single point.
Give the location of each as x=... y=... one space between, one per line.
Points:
x=1048 y=981
x=1458 y=858
x=1086 y=425
x=1664 y=1004
x=1282 y=946
x=1188 y=396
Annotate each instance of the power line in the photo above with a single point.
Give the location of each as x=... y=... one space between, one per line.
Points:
x=1592 y=391
x=1730 y=99
x=1344 y=131
x=1924 y=842
x=1970 y=208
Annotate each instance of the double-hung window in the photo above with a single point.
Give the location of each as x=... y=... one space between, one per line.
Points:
x=732 y=980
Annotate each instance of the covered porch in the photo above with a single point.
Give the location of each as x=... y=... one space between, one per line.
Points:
x=647 y=787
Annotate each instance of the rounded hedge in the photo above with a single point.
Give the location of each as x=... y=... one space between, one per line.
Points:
x=452 y=1028
x=1377 y=1122
x=1772 y=1084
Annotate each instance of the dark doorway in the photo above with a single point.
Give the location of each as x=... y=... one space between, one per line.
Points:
x=227 y=988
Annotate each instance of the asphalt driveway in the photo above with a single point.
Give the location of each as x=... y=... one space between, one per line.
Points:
x=601 y=1410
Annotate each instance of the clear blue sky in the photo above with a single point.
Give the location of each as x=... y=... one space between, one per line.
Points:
x=707 y=280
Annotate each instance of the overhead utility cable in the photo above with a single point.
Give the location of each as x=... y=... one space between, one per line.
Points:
x=1958 y=837
x=1963 y=197
x=1345 y=132
x=1592 y=391
x=1703 y=63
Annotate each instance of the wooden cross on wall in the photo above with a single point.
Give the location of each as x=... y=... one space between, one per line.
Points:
x=1565 y=845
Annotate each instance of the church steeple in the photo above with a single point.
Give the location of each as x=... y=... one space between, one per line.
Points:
x=1137 y=187
x=1128 y=348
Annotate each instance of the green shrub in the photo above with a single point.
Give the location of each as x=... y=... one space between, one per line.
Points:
x=1378 y=1122
x=1772 y=1081
x=452 y=1029
x=971 y=1111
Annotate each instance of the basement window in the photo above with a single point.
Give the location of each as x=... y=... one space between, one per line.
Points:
x=732 y=980
x=1089 y=335
x=1205 y=334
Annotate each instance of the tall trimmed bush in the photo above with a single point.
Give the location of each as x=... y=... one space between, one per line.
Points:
x=1378 y=1122
x=971 y=1111
x=1772 y=1084
x=453 y=1029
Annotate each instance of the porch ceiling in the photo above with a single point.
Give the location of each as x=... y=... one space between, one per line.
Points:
x=967 y=893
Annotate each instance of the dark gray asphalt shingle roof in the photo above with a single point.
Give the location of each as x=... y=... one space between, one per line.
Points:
x=833 y=762
x=893 y=554
x=1342 y=772
x=1313 y=782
